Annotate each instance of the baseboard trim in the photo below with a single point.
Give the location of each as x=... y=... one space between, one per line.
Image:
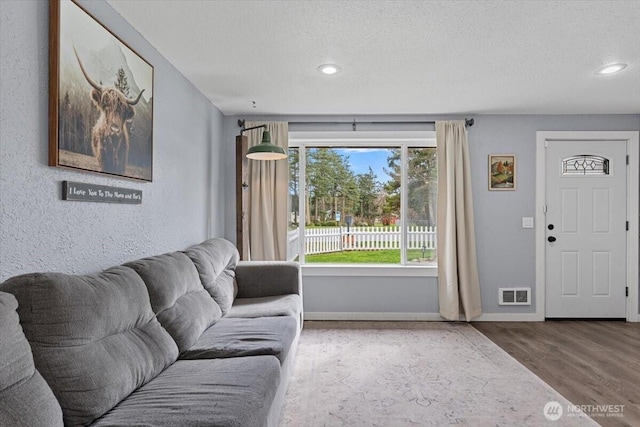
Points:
x=509 y=317
x=373 y=316
x=416 y=317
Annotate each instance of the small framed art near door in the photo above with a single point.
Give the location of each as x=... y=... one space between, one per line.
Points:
x=502 y=172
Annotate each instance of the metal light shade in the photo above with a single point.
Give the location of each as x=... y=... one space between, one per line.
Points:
x=266 y=150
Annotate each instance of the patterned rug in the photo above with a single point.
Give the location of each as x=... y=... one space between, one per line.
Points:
x=391 y=374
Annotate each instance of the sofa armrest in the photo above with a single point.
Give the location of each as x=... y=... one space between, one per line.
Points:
x=268 y=278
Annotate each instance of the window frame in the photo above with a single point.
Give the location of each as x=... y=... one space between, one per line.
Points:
x=303 y=140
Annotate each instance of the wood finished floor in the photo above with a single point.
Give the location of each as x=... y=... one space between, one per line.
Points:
x=588 y=362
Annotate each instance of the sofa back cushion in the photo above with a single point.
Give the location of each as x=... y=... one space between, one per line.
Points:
x=25 y=397
x=216 y=260
x=94 y=338
x=182 y=305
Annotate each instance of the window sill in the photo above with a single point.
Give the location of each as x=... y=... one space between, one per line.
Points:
x=368 y=270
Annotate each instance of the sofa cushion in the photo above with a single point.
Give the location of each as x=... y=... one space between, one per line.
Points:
x=94 y=338
x=281 y=305
x=182 y=305
x=265 y=278
x=235 y=392
x=215 y=260
x=246 y=337
x=25 y=397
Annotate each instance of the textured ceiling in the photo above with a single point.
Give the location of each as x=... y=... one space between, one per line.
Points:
x=400 y=57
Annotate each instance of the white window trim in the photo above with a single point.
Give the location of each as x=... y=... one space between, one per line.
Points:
x=368 y=270
x=366 y=139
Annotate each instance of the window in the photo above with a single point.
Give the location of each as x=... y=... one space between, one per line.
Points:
x=362 y=198
x=585 y=164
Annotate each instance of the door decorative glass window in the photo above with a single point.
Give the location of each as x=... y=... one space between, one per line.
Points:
x=585 y=164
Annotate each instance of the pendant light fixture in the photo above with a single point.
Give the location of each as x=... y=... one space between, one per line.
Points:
x=265 y=150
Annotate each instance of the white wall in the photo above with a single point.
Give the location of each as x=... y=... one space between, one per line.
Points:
x=39 y=231
x=506 y=251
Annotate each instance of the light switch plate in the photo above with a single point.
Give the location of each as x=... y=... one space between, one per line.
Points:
x=527 y=222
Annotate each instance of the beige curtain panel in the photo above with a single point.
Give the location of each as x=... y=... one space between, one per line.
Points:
x=268 y=196
x=458 y=282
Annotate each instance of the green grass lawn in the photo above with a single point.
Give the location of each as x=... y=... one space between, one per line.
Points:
x=385 y=256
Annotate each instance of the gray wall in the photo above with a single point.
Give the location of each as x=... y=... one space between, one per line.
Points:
x=506 y=251
x=38 y=231
x=414 y=295
x=192 y=196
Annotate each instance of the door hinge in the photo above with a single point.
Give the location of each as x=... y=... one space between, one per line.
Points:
x=544 y=209
x=627 y=159
x=626 y=291
x=627 y=225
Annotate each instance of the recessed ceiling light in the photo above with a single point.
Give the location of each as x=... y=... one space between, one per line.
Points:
x=611 y=68
x=328 y=69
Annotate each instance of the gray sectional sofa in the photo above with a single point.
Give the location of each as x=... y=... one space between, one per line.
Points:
x=191 y=338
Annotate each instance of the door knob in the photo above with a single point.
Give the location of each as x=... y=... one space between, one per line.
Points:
x=551 y=239
x=550 y=226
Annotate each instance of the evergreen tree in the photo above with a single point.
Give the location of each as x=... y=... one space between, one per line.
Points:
x=331 y=185
x=368 y=189
x=422 y=186
x=294 y=182
x=391 y=206
x=121 y=82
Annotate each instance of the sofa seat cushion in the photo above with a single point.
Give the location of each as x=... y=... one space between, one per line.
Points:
x=233 y=337
x=215 y=260
x=279 y=305
x=94 y=338
x=183 y=307
x=234 y=392
x=25 y=397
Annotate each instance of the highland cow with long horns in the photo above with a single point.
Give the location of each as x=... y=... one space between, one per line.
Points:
x=110 y=134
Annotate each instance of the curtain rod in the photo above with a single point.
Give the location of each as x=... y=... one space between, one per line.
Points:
x=467 y=123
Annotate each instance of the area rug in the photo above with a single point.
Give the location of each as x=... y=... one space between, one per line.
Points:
x=390 y=374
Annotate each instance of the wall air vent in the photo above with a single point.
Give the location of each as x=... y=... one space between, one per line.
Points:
x=514 y=296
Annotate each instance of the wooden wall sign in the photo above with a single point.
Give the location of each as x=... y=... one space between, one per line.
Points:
x=83 y=192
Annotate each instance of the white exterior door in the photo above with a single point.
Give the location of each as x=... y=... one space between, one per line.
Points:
x=585 y=229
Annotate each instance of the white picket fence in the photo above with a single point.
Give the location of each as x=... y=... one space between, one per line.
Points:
x=293 y=240
x=336 y=239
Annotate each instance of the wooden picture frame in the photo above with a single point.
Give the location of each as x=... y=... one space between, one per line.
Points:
x=100 y=98
x=502 y=172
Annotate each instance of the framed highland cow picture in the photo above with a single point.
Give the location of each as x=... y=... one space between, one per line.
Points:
x=502 y=172
x=100 y=98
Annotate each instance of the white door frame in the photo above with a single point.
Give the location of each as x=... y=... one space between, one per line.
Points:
x=632 y=211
